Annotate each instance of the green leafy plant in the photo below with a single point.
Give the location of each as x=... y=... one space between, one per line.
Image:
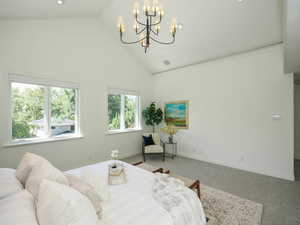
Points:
x=152 y=115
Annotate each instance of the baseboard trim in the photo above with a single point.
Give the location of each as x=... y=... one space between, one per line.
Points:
x=222 y=163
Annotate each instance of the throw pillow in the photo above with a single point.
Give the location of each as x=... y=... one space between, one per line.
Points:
x=148 y=140
x=59 y=204
x=96 y=181
x=87 y=190
x=43 y=171
x=28 y=161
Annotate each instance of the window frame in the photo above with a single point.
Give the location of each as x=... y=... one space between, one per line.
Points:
x=116 y=91
x=47 y=84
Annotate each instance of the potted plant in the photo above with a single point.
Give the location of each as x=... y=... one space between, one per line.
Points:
x=152 y=115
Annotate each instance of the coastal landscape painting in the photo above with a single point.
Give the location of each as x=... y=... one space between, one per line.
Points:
x=177 y=114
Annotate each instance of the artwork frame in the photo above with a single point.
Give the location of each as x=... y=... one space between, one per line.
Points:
x=175 y=110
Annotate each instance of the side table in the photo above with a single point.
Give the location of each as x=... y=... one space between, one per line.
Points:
x=174 y=148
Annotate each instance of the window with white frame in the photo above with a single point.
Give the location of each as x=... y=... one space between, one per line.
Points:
x=42 y=109
x=123 y=109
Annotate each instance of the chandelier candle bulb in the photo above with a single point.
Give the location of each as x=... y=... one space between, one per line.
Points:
x=156 y=9
x=120 y=22
x=136 y=8
x=136 y=27
x=157 y=28
x=162 y=12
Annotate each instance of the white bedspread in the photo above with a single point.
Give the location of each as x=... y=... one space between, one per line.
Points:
x=132 y=203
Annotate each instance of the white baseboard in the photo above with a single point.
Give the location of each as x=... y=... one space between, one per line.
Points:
x=244 y=168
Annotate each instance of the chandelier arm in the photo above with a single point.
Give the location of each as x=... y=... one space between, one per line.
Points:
x=133 y=42
x=154 y=32
x=139 y=22
x=163 y=43
x=141 y=30
x=160 y=19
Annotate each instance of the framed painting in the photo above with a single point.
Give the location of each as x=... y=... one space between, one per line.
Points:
x=177 y=114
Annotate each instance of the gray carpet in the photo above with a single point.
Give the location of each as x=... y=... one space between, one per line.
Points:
x=281 y=199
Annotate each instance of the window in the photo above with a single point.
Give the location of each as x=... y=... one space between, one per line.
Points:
x=123 y=111
x=42 y=109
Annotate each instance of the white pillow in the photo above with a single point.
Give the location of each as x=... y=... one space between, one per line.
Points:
x=95 y=180
x=43 y=171
x=18 y=209
x=9 y=184
x=28 y=161
x=87 y=190
x=59 y=204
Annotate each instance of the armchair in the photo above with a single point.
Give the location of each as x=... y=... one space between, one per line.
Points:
x=157 y=149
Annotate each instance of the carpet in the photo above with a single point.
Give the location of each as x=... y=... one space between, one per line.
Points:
x=223 y=208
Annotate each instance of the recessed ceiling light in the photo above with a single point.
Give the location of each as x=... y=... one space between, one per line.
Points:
x=180 y=25
x=240 y=1
x=60 y=2
x=167 y=62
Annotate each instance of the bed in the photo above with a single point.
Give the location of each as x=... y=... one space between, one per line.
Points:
x=131 y=203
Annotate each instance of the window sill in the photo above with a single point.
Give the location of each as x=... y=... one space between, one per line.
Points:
x=44 y=140
x=123 y=131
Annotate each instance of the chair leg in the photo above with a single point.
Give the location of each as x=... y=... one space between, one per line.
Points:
x=198 y=190
x=164 y=153
x=144 y=157
x=196 y=187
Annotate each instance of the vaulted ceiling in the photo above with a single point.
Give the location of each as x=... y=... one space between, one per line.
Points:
x=41 y=9
x=211 y=28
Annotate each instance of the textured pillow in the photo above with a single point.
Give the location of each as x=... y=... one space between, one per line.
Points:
x=148 y=140
x=43 y=171
x=28 y=161
x=87 y=190
x=59 y=204
x=96 y=181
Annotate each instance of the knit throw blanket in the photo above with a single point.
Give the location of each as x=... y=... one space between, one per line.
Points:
x=182 y=203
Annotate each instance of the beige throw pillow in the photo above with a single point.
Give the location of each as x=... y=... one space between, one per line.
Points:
x=43 y=171
x=96 y=181
x=59 y=204
x=28 y=161
x=87 y=190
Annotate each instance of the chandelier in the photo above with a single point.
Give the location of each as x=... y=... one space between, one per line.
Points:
x=148 y=29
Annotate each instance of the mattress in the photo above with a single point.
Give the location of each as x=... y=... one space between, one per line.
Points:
x=130 y=203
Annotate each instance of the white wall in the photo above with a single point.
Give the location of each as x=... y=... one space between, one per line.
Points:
x=78 y=50
x=291 y=36
x=231 y=102
x=297 y=121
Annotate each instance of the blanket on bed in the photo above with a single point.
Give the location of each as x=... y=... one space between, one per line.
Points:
x=182 y=203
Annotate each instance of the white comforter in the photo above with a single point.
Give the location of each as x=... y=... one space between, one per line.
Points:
x=133 y=203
